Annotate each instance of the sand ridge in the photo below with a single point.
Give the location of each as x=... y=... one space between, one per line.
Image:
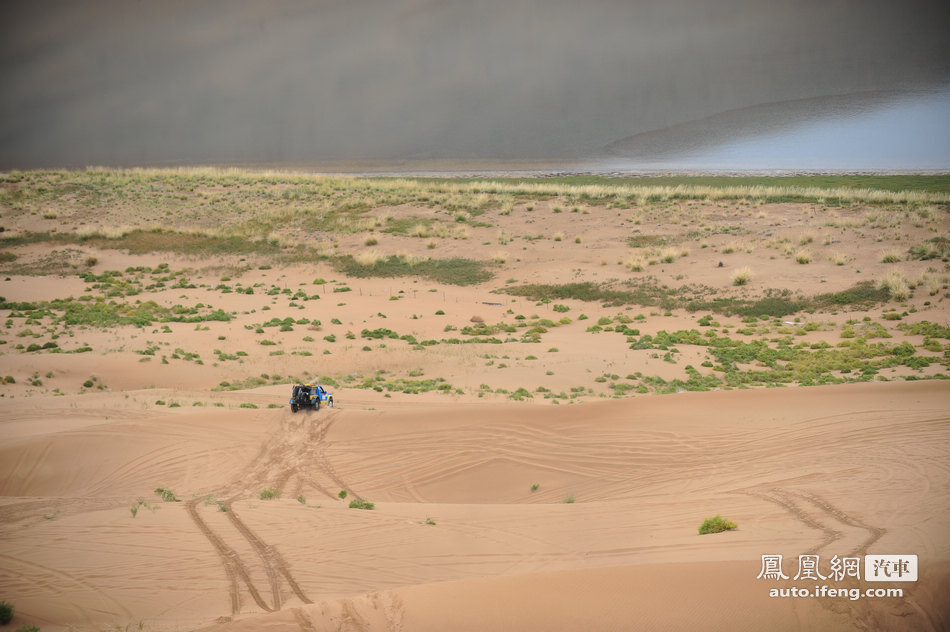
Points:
x=643 y=474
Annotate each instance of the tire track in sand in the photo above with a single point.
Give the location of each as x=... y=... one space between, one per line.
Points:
x=830 y=520
x=273 y=561
x=792 y=503
x=234 y=566
x=283 y=456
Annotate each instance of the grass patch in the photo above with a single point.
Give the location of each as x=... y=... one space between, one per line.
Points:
x=359 y=503
x=645 y=293
x=166 y=495
x=269 y=493
x=456 y=271
x=716 y=524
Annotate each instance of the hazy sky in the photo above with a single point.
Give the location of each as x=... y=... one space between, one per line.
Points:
x=158 y=82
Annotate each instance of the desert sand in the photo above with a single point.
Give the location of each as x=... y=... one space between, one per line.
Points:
x=492 y=510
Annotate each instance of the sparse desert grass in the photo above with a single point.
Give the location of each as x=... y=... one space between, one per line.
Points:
x=268 y=493
x=166 y=495
x=934 y=248
x=636 y=263
x=499 y=256
x=369 y=258
x=803 y=256
x=558 y=236
x=933 y=285
x=742 y=276
x=890 y=255
x=716 y=524
x=839 y=259
x=455 y=271
x=896 y=284
x=419 y=230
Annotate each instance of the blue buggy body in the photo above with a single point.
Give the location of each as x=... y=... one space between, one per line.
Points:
x=310 y=396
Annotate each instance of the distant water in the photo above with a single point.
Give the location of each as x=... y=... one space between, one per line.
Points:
x=910 y=133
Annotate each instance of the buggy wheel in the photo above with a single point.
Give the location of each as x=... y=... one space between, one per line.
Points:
x=330 y=402
x=316 y=404
x=293 y=408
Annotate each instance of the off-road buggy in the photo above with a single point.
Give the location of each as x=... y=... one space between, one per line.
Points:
x=310 y=396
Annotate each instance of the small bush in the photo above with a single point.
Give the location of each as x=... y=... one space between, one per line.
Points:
x=26 y=627
x=342 y=494
x=716 y=525
x=890 y=255
x=742 y=276
x=359 y=503
x=268 y=493
x=535 y=487
x=803 y=256
x=167 y=495
x=6 y=612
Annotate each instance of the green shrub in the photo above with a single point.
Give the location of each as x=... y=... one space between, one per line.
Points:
x=716 y=525
x=167 y=495
x=359 y=503
x=6 y=612
x=268 y=493
x=26 y=627
x=342 y=494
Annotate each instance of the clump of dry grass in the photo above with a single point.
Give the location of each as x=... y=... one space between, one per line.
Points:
x=499 y=256
x=668 y=255
x=742 y=276
x=933 y=285
x=409 y=258
x=371 y=241
x=896 y=283
x=806 y=239
x=419 y=230
x=558 y=236
x=636 y=263
x=890 y=255
x=368 y=258
x=839 y=259
x=803 y=256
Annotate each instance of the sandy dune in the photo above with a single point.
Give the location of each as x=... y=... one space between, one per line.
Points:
x=839 y=470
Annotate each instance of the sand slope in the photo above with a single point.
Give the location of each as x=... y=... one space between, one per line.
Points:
x=839 y=470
